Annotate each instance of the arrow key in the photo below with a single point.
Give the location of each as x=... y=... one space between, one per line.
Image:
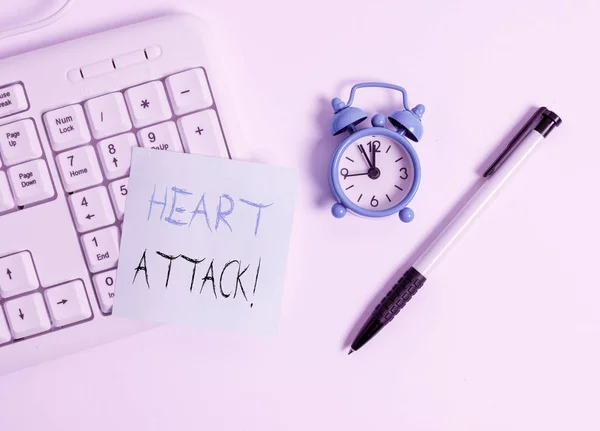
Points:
x=92 y=209
x=17 y=274
x=68 y=303
x=27 y=315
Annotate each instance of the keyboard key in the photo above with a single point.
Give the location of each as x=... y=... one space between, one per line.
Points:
x=79 y=168
x=148 y=104
x=118 y=194
x=68 y=303
x=17 y=274
x=19 y=142
x=108 y=115
x=27 y=315
x=189 y=91
x=201 y=134
x=92 y=209
x=31 y=182
x=7 y=201
x=12 y=100
x=115 y=154
x=4 y=331
x=67 y=127
x=104 y=283
x=101 y=248
x=162 y=136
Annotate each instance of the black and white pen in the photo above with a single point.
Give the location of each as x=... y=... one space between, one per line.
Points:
x=520 y=147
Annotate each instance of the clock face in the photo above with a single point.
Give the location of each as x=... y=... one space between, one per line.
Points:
x=375 y=172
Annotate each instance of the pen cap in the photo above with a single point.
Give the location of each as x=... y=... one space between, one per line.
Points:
x=543 y=122
x=547 y=123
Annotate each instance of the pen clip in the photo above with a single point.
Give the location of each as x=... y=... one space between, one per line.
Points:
x=514 y=143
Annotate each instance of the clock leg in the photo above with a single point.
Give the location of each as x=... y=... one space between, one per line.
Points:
x=338 y=210
x=406 y=215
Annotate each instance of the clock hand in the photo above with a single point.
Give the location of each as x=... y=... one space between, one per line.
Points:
x=374 y=152
x=364 y=153
x=356 y=175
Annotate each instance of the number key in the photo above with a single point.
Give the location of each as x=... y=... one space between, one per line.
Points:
x=118 y=194
x=101 y=248
x=162 y=136
x=91 y=209
x=104 y=283
x=79 y=168
x=115 y=154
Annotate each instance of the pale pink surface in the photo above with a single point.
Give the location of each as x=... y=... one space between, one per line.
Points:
x=505 y=334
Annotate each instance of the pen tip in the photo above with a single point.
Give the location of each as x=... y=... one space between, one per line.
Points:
x=351 y=351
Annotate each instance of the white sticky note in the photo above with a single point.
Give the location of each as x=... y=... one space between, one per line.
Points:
x=205 y=241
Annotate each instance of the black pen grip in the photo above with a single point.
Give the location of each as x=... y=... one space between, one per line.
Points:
x=401 y=293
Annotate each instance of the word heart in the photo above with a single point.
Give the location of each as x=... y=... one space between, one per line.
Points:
x=224 y=209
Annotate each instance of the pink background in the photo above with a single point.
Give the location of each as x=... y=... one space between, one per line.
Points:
x=505 y=334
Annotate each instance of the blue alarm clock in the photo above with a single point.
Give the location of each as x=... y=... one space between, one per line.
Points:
x=375 y=172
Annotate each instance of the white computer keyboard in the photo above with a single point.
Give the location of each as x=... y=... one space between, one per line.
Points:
x=69 y=116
